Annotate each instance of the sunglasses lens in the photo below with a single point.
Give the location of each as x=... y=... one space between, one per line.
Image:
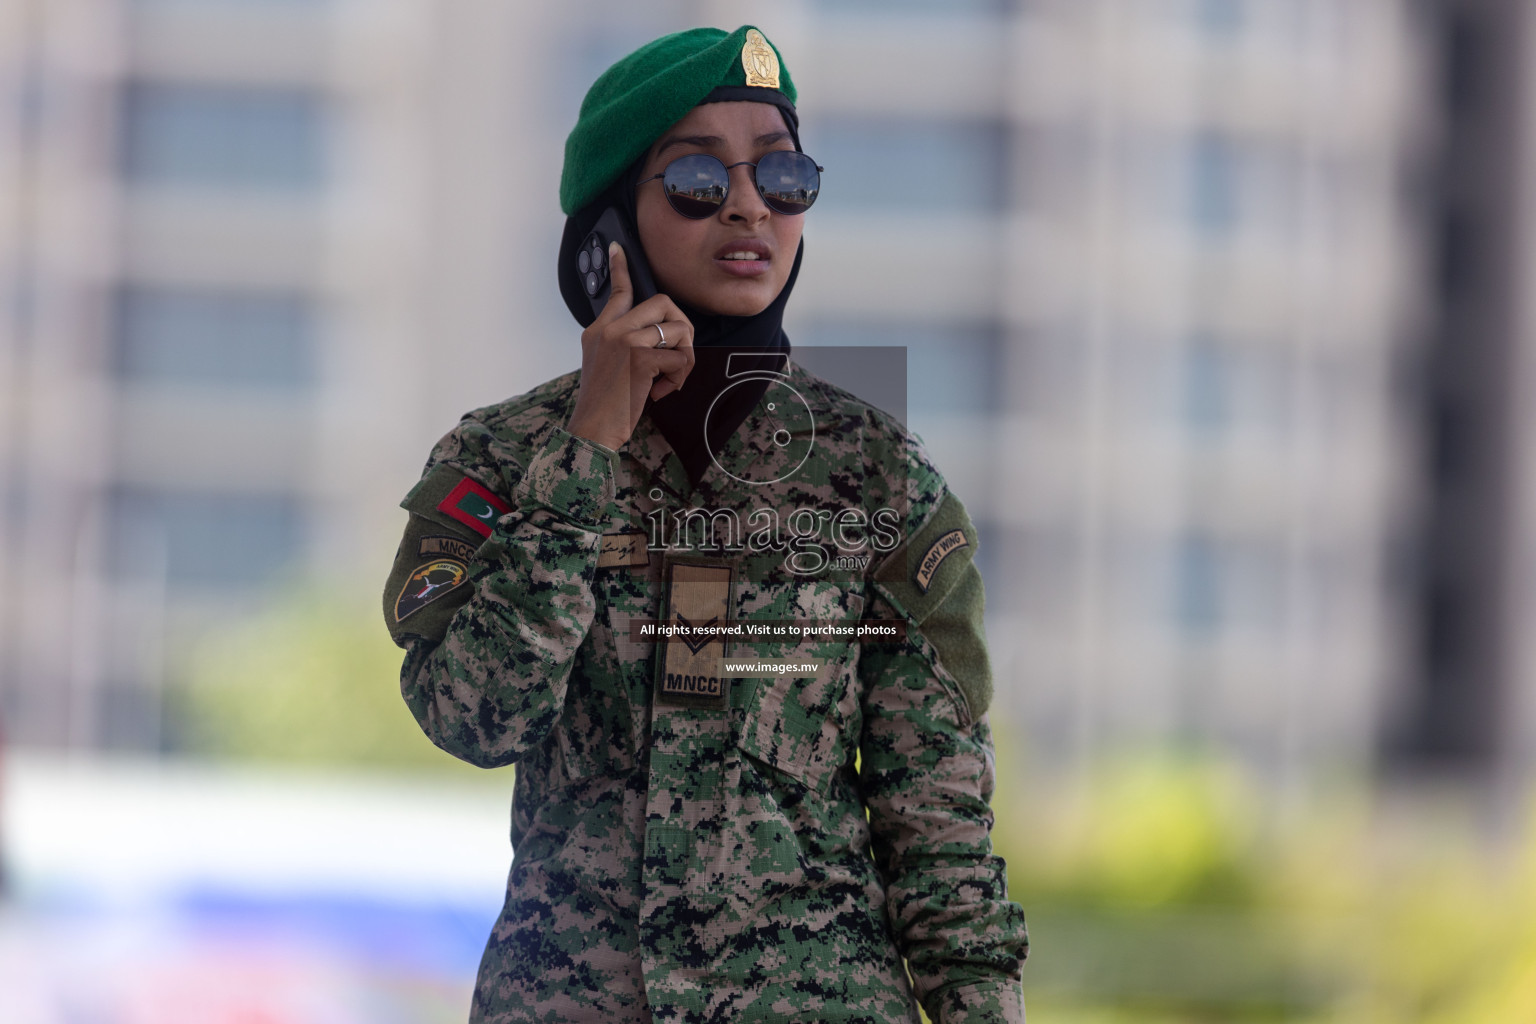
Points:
x=788 y=181
x=696 y=185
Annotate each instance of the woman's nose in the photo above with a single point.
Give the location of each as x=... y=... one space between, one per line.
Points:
x=743 y=201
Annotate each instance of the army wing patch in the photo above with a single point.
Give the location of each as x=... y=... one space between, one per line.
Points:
x=934 y=557
x=474 y=506
x=428 y=583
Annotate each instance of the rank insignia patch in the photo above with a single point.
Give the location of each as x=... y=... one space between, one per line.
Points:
x=692 y=673
x=474 y=506
x=428 y=583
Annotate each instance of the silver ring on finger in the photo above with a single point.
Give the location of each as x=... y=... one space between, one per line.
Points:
x=663 y=342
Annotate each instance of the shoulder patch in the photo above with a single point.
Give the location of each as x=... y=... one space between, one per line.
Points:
x=929 y=561
x=449 y=547
x=428 y=583
x=450 y=497
x=473 y=505
x=917 y=576
x=430 y=579
x=958 y=635
x=934 y=582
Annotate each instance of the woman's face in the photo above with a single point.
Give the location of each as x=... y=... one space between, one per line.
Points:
x=692 y=259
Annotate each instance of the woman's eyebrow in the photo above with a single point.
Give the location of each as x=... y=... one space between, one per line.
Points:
x=702 y=141
x=706 y=141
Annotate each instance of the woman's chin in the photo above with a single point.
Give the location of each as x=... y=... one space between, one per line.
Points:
x=737 y=309
x=735 y=301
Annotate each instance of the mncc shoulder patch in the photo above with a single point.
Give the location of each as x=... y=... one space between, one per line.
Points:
x=439 y=546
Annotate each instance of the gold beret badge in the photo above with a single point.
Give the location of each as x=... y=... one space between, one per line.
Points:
x=759 y=61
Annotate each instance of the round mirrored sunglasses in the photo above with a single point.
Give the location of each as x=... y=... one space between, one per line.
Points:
x=696 y=185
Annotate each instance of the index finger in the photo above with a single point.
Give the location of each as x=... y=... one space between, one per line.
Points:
x=621 y=294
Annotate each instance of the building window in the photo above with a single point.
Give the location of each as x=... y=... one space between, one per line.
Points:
x=1207 y=387
x=1197 y=584
x=225 y=136
x=1221 y=17
x=197 y=539
x=910 y=163
x=226 y=338
x=1228 y=385
x=1212 y=182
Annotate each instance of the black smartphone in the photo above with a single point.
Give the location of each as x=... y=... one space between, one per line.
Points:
x=592 y=262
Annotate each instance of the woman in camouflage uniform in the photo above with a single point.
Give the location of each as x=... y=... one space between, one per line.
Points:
x=695 y=842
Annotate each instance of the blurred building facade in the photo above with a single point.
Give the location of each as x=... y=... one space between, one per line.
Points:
x=247 y=244
x=1196 y=278
x=1150 y=259
x=1470 y=710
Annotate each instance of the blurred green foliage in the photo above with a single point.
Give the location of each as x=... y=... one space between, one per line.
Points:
x=313 y=680
x=1163 y=888
x=1160 y=888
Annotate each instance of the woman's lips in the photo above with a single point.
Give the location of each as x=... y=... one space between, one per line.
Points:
x=744 y=258
x=744 y=268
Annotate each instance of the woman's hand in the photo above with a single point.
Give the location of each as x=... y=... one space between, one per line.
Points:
x=621 y=363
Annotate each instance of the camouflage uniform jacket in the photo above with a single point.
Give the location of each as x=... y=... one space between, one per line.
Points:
x=775 y=857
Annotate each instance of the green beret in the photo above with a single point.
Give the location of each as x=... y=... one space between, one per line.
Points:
x=644 y=94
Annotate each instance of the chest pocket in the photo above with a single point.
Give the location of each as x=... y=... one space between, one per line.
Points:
x=803 y=724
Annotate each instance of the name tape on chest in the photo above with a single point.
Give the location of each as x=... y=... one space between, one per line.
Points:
x=623 y=551
x=691 y=674
x=934 y=557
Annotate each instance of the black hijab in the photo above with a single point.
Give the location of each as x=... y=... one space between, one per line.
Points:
x=680 y=416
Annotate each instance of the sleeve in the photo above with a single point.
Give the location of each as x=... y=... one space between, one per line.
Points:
x=491 y=591
x=927 y=774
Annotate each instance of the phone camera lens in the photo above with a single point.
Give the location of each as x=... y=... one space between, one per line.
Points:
x=583 y=263
x=591 y=284
x=597 y=257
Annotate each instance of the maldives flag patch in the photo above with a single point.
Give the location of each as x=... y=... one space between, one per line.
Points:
x=474 y=506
